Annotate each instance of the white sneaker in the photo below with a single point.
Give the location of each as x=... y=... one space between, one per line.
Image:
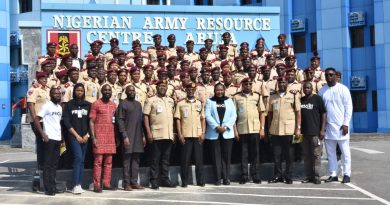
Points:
x=81 y=189
x=76 y=189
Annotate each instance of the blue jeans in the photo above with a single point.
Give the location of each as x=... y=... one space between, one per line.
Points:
x=79 y=151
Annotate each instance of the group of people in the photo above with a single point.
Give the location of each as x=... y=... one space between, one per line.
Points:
x=170 y=94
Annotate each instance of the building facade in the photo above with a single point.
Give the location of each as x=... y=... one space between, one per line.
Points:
x=348 y=35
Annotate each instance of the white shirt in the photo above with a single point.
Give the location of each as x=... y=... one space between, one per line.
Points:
x=51 y=115
x=338 y=104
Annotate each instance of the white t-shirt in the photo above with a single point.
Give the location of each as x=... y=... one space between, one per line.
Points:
x=51 y=115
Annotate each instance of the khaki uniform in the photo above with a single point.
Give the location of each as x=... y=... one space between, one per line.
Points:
x=169 y=93
x=39 y=96
x=52 y=80
x=198 y=64
x=160 y=111
x=203 y=92
x=273 y=73
x=171 y=52
x=144 y=54
x=131 y=61
x=260 y=61
x=283 y=113
x=179 y=95
x=232 y=51
x=320 y=75
x=295 y=86
x=276 y=50
x=108 y=56
x=191 y=56
x=190 y=113
x=91 y=89
x=248 y=121
x=237 y=77
x=231 y=90
x=299 y=75
x=68 y=92
x=218 y=62
x=100 y=55
x=211 y=56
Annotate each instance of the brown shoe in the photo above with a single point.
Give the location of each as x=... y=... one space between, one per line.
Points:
x=137 y=186
x=128 y=188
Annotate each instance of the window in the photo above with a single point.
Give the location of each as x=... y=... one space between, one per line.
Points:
x=372 y=35
x=357 y=37
x=25 y=6
x=153 y=2
x=246 y=2
x=359 y=100
x=299 y=42
x=374 y=101
x=259 y=1
x=313 y=42
x=210 y=2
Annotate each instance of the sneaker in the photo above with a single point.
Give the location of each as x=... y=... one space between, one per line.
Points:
x=81 y=189
x=76 y=189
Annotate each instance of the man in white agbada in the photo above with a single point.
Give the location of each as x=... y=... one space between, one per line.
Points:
x=338 y=103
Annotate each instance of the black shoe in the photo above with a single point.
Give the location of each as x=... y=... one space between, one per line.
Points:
x=201 y=184
x=307 y=180
x=154 y=186
x=276 y=180
x=168 y=184
x=184 y=185
x=109 y=188
x=332 y=179
x=256 y=181
x=288 y=181
x=50 y=193
x=346 y=179
x=226 y=182
x=243 y=181
x=317 y=180
x=217 y=183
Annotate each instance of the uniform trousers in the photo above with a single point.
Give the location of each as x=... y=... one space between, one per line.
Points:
x=312 y=150
x=39 y=148
x=130 y=168
x=250 y=152
x=192 y=147
x=282 y=149
x=330 y=146
x=161 y=152
x=97 y=170
x=52 y=152
x=221 y=151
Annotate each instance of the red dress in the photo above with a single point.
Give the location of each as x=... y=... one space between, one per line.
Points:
x=103 y=113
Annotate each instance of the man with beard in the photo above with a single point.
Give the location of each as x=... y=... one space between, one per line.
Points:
x=50 y=114
x=129 y=117
x=102 y=121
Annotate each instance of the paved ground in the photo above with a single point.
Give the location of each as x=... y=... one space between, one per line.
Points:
x=370 y=185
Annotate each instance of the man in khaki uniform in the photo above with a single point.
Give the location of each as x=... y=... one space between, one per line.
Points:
x=152 y=50
x=191 y=125
x=37 y=96
x=190 y=55
x=73 y=74
x=231 y=89
x=171 y=49
x=319 y=73
x=158 y=121
x=232 y=51
x=284 y=116
x=141 y=89
x=208 y=44
x=291 y=62
x=50 y=53
x=91 y=86
x=282 y=42
x=205 y=89
x=250 y=126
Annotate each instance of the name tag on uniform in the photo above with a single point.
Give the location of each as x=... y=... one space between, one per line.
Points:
x=241 y=109
x=159 y=108
x=276 y=106
x=185 y=114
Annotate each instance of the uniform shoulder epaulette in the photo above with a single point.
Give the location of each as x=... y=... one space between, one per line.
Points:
x=302 y=82
x=35 y=85
x=316 y=80
x=256 y=92
x=67 y=85
x=180 y=100
x=150 y=96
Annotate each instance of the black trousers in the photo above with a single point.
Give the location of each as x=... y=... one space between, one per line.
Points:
x=221 y=151
x=250 y=152
x=282 y=149
x=39 y=146
x=161 y=151
x=130 y=168
x=52 y=154
x=191 y=147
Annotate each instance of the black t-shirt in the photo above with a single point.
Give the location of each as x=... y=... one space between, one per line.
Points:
x=311 y=110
